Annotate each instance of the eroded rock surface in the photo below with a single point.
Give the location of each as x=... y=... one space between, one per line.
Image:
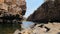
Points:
x=11 y=14
x=54 y=29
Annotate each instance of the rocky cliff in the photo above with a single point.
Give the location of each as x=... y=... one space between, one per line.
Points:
x=48 y=12
x=11 y=14
x=13 y=6
x=46 y=18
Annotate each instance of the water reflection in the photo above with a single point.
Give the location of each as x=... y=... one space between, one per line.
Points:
x=27 y=24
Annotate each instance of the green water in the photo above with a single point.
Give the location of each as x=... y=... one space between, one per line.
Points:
x=8 y=28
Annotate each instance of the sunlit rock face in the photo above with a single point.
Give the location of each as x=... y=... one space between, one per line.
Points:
x=54 y=29
x=14 y=6
x=48 y=12
x=10 y=8
x=11 y=14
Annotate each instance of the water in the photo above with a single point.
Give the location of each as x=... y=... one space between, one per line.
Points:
x=9 y=29
x=27 y=24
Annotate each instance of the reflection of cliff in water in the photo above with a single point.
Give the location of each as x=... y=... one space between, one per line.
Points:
x=9 y=23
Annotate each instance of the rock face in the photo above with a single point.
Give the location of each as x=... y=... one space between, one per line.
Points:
x=54 y=29
x=13 y=6
x=11 y=14
x=48 y=12
x=12 y=9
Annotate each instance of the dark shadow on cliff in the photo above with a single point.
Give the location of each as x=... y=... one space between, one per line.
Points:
x=48 y=12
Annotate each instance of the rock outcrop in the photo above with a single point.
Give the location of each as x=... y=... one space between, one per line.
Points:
x=48 y=12
x=16 y=8
x=11 y=14
x=54 y=29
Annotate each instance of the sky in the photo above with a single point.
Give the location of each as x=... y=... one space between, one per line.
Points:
x=32 y=5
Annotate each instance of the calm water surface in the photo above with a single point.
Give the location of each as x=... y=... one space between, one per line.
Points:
x=27 y=24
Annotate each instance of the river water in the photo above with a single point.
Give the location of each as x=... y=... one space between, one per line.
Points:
x=7 y=29
x=27 y=24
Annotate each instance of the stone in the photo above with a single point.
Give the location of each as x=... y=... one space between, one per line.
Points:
x=48 y=12
x=54 y=29
x=1 y=1
x=11 y=15
x=14 y=6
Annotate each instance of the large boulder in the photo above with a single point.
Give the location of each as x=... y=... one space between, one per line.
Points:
x=48 y=12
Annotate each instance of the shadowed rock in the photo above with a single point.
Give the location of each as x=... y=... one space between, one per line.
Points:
x=48 y=12
x=58 y=33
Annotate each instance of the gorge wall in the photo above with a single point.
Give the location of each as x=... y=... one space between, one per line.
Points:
x=11 y=14
x=49 y=11
x=46 y=19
